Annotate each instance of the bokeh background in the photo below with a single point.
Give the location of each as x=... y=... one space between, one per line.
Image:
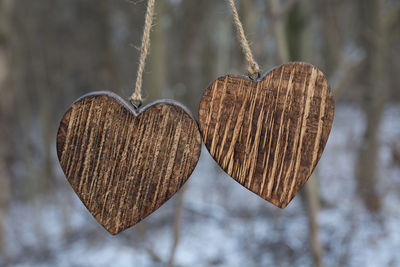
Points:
x=348 y=214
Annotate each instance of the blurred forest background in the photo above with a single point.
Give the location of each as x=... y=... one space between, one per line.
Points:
x=348 y=214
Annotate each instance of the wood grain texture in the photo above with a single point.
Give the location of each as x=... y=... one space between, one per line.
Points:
x=268 y=134
x=125 y=165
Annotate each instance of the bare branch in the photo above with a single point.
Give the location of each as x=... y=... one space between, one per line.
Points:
x=177 y=224
x=350 y=61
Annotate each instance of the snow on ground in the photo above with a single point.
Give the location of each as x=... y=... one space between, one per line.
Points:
x=223 y=224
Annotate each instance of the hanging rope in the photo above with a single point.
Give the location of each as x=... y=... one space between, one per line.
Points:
x=136 y=97
x=253 y=68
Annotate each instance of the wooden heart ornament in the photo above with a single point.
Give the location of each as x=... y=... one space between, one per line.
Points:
x=268 y=134
x=123 y=165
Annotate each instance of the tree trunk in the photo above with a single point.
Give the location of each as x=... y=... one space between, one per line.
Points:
x=189 y=74
x=249 y=19
x=177 y=226
x=279 y=32
x=373 y=37
x=332 y=53
x=7 y=98
x=156 y=70
x=302 y=49
x=313 y=207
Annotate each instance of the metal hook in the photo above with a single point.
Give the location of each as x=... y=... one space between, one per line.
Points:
x=255 y=76
x=136 y=104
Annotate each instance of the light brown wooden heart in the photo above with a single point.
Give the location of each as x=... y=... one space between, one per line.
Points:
x=268 y=134
x=123 y=165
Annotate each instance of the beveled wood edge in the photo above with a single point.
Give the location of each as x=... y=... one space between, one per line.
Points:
x=130 y=107
x=262 y=77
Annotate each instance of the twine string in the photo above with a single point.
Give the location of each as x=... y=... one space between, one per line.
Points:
x=136 y=97
x=253 y=68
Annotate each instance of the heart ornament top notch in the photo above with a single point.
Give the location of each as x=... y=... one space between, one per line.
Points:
x=123 y=165
x=268 y=134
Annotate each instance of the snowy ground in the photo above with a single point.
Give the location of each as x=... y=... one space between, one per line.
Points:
x=223 y=224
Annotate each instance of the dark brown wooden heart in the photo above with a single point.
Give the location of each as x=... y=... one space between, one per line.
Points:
x=268 y=134
x=124 y=165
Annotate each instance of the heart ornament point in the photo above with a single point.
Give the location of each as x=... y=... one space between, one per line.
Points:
x=268 y=134
x=123 y=165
